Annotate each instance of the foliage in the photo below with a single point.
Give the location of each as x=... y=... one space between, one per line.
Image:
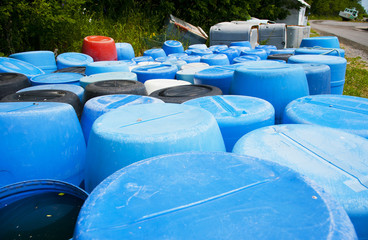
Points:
x=356 y=82
x=333 y=7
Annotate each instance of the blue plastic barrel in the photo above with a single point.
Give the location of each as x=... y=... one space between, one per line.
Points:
x=84 y=81
x=325 y=51
x=337 y=66
x=267 y=48
x=191 y=58
x=215 y=76
x=282 y=51
x=106 y=66
x=278 y=84
x=200 y=52
x=177 y=62
x=143 y=59
x=130 y=134
x=41 y=140
x=125 y=51
x=72 y=59
x=240 y=49
x=231 y=53
x=322 y=41
x=187 y=74
x=319 y=78
x=155 y=53
x=43 y=209
x=178 y=55
x=78 y=90
x=261 y=63
x=11 y=65
x=210 y=196
x=215 y=59
x=257 y=52
x=246 y=58
x=197 y=46
x=333 y=159
x=172 y=46
x=216 y=48
x=347 y=113
x=97 y=106
x=57 y=78
x=236 y=115
x=155 y=71
x=241 y=44
x=164 y=59
x=44 y=60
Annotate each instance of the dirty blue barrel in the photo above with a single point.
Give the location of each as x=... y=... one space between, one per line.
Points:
x=333 y=159
x=84 y=81
x=187 y=74
x=130 y=134
x=178 y=55
x=216 y=48
x=231 y=53
x=57 y=78
x=72 y=59
x=215 y=76
x=215 y=59
x=156 y=84
x=236 y=115
x=217 y=196
x=197 y=46
x=347 y=113
x=241 y=44
x=155 y=53
x=44 y=60
x=172 y=46
x=257 y=52
x=78 y=90
x=267 y=48
x=282 y=51
x=319 y=78
x=337 y=67
x=155 y=71
x=317 y=50
x=106 y=66
x=278 y=84
x=97 y=106
x=191 y=58
x=38 y=147
x=246 y=59
x=323 y=41
x=200 y=52
x=125 y=51
x=40 y=209
x=12 y=65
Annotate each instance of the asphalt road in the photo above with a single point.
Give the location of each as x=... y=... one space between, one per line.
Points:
x=350 y=33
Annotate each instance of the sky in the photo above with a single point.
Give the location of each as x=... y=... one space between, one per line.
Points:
x=365 y=4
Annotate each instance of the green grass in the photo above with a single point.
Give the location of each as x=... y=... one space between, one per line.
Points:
x=356 y=78
x=336 y=18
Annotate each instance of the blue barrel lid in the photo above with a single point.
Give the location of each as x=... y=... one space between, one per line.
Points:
x=143 y=59
x=124 y=51
x=78 y=90
x=164 y=59
x=84 y=81
x=258 y=52
x=155 y=71
x=73 y=59
x=321 y=41
x=246 y=58
x=215 y=59
x=18 y=66
x=187 y=74
x=172 y=46
x=191 y=58
x=347 y=113
x=216 y=48
x=282 y=51
x=267 y=48
x=265 y=63
x=31 y=209
x=155 y=53
x=200 y=52
x=42 y=59
x=216 y=195
x=177 y=62
x=339 y=52
x=197 y=46
x=214 y=72
x=231 y=53
x=57 y=78
x=178 y=55
x=106 y=66
x=334 y=159
x=241 y=44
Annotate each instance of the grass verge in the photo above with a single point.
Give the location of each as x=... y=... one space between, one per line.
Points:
x=356 y=78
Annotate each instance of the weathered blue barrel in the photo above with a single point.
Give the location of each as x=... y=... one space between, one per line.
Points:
x=325 y=51
x=240 y=49
x=241 y=44
x=278 y=84
x=155 y=53
x=176 y=62
x=319 y=78
x=216 y=196
x=337 y=66
x=166 y=58
x=267 y=48
x=156 y=84
x=200 y=52
x=191 y=58
x=333 y=159
x=322 y=41
x=194 y=65
x=236 y=115
x=43 y=209
x=125 y=51
x=97 y=106
x=143 y=59
x=78 y=90
x=172 y=46
x=130 y=134
x=11 y=65
x=347 y=113
x=84 y=81
x=187 y=74
x=57 y=78
x=282 y=51
x=40 y=140
x=215 y=76
x=246 y=59
x=215 y=59
x=257 y=52
x=231 y=53
x=106 y=66
x=72 y=59
x=178 y=55
x=216 y=48
x=155 y=71
x=197 y=46
x=44 y=60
